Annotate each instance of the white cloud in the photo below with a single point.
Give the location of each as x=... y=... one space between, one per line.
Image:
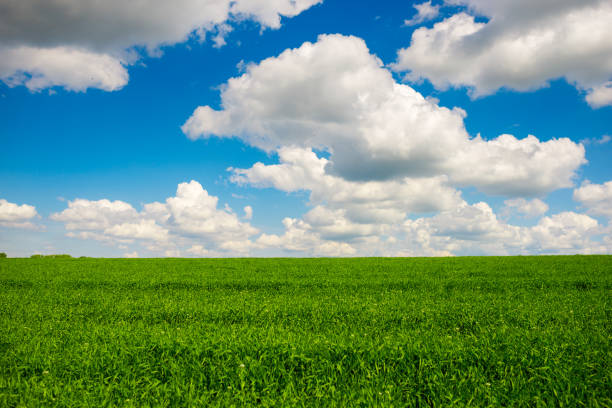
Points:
x=73 y=68
x=86 y=215
x=269 y=12
x=192 y=223
x=17 y=216
x=336 y=226
x=475 y=229
x=121 y=243
x=596 y=198
x=301 y=238
x=193 y=212
x=464 y=230
x=523 y=45
x=172 y=253
x=144 y=229
x=198 y=250
x=369 y=201
x=133 y=254
x=248 y=212
x=517 y=167
x=600 y=96
x=80 y=44
x=530 y=208
x=597 y=140
x=567 y=232
x=373 y=152
x=374 y=128
x=472 y=228
x=345 y=212
x=425 y=12
x=190 y=219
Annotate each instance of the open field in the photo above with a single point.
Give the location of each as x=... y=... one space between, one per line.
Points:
x=515 y=331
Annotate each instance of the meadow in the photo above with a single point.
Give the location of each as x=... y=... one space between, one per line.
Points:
x=473 y=331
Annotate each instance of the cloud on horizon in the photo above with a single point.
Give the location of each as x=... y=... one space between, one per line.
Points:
x=192 y=217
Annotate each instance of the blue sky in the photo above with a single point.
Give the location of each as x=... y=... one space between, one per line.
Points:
x=375 y=125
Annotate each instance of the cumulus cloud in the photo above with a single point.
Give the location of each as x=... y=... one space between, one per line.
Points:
x=425 y=12
x=17 y=216
x=193 y=212
x=80 y=44
x=86 y=215
x=596 y=198
x=463 y=230
x=73 y=68
x=353 y=218
x=529 y=208
x=466 y=228
x=517 y=167
x=192 y=223
x=301 y=238
x=189 y=219
x=198 y=250
x=567 y=232
x=601 y=95
x=522 y=46
x=475 y=229
x=374 y=128
x=144 y=229
x=346 y=213
x=373 y=153
x=368 y=202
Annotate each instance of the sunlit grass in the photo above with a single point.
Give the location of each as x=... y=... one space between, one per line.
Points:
x=517 y=331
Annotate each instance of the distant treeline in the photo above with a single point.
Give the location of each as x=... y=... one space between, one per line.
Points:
x=38 y=256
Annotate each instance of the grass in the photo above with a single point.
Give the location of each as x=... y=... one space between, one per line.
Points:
x=508 y=331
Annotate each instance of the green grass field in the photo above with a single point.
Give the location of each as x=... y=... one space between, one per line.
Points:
x=509 y=331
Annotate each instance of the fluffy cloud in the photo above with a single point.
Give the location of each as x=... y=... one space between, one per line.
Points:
x=367 y=202
x=73 y=68
x=248 y=212
x=600 y=95
x=425 y=12
x=475 y=229
x=530 y=208
x=198 y=250
x=193 y=212
x=567 y=232
x=523 y=45
x=95 y=215
x=372 y=153
x=374 y=128
x=596 y=198
x=191 y=223
x=468 y=228
x=347 y=214
x=80 y=44
x=353 y=218
x=190 y=219
x=144 y=229
x=16 y=216
x=464 y=230
x=301 y=238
